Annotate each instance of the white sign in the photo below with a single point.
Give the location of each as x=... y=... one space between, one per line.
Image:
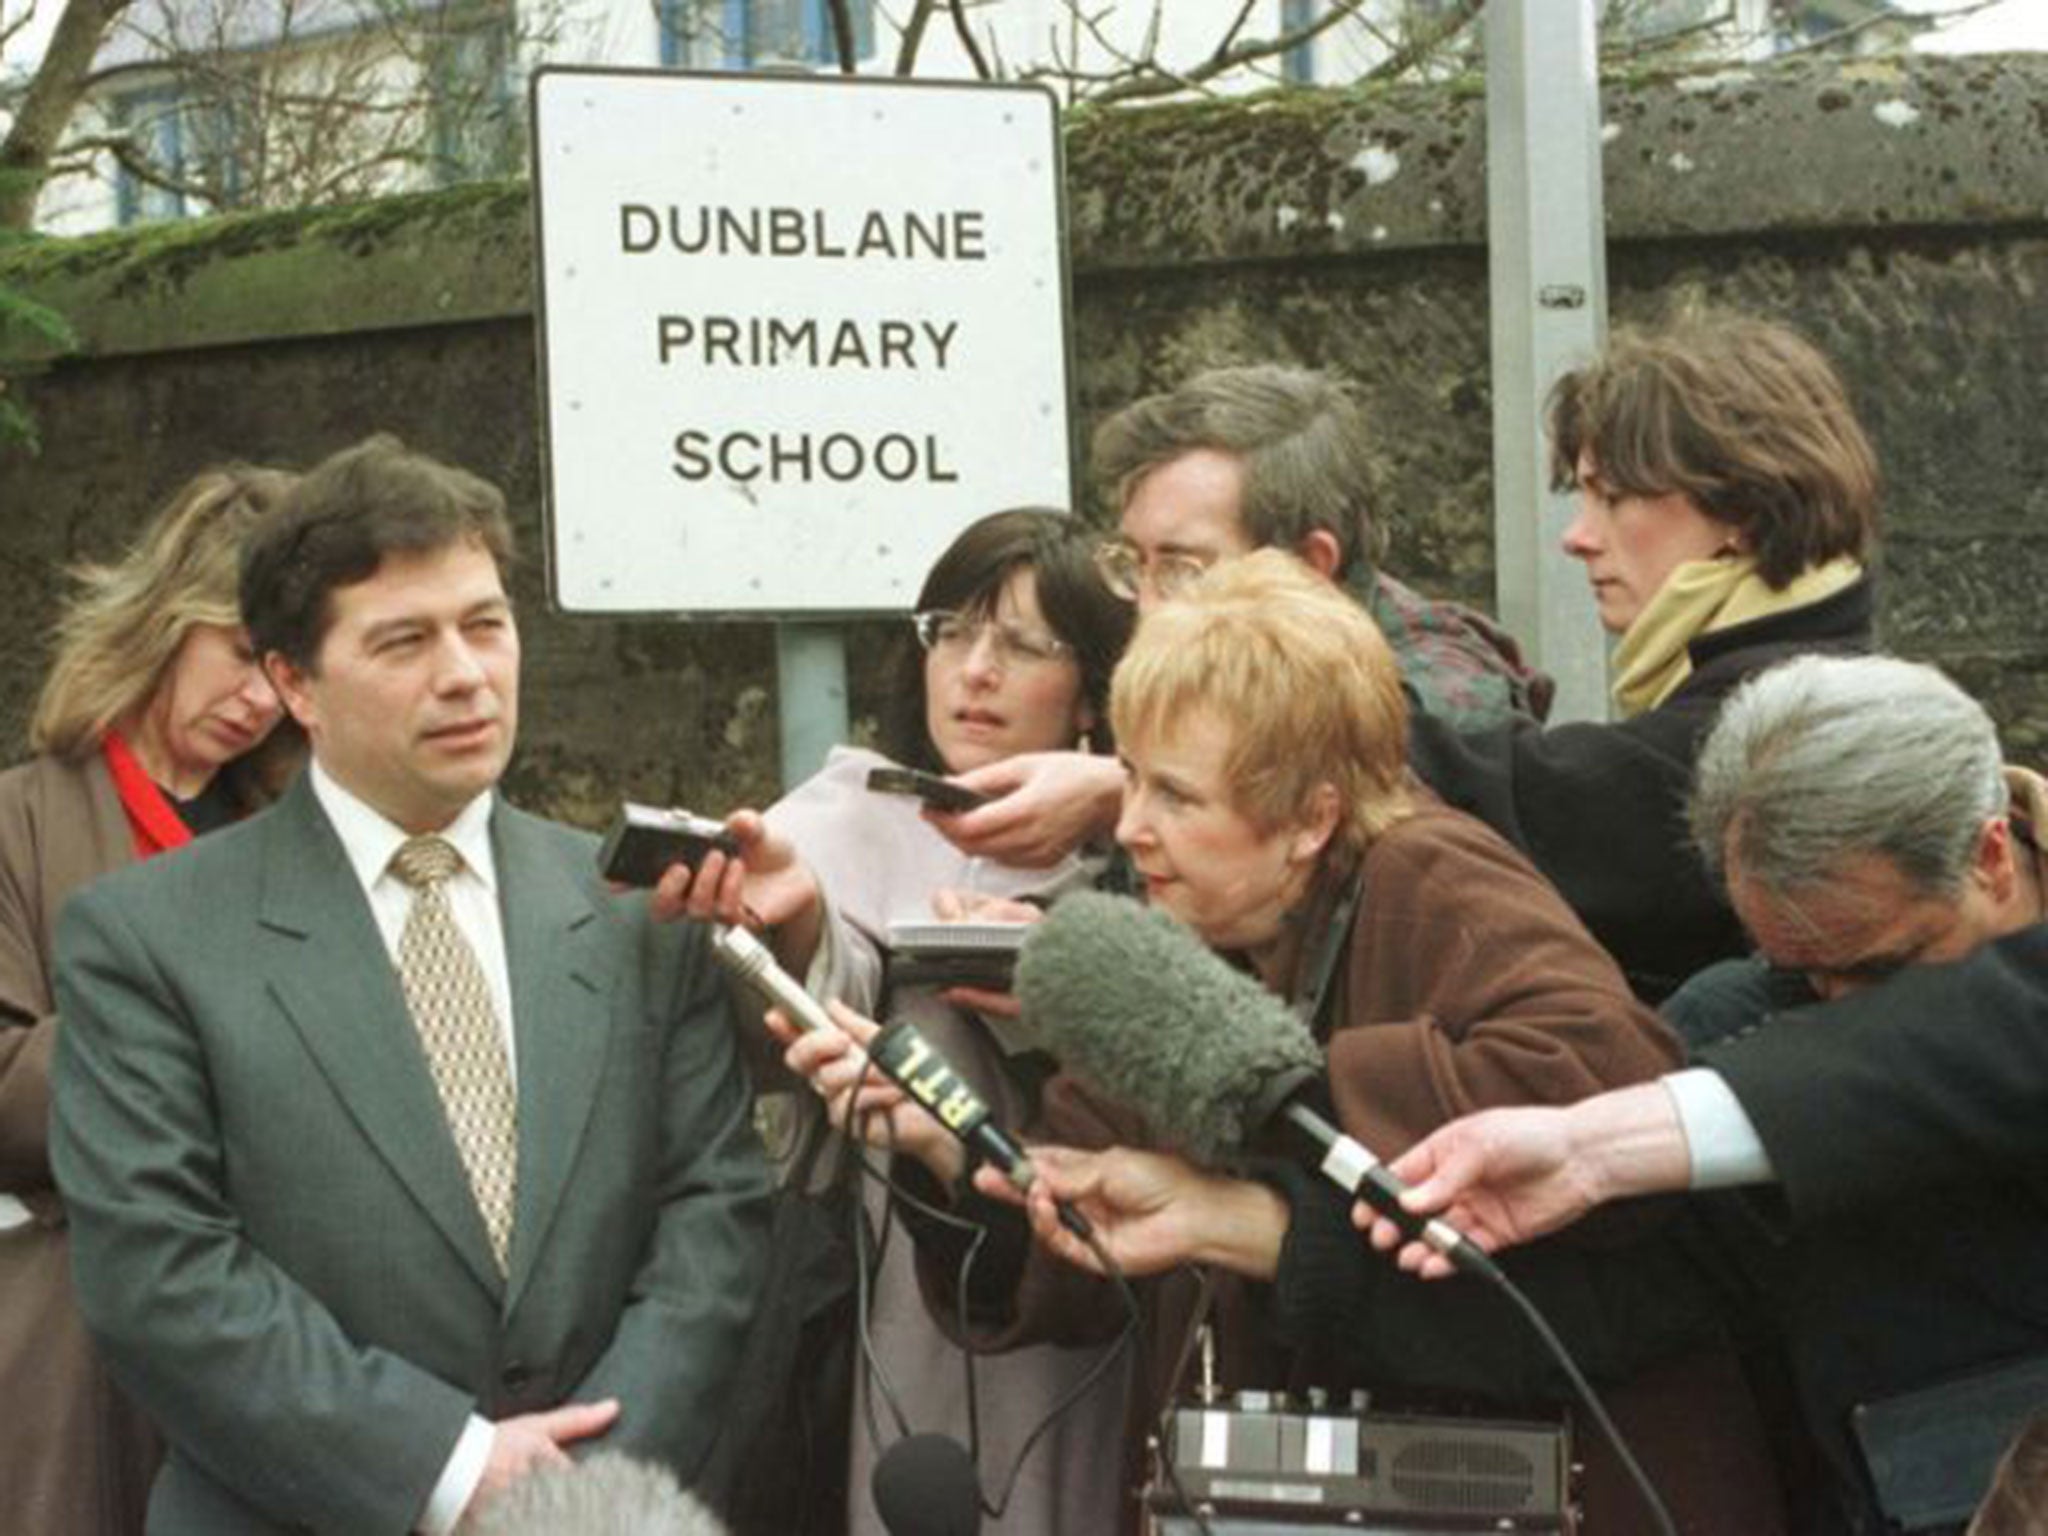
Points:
x=795 y=333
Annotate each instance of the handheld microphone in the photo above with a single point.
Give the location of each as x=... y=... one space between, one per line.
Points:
x=1132 y=1002
x=924 y=1485
x=900 y=1053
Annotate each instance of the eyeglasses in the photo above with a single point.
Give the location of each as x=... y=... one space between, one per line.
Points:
x=940 y=629
x=1124 y=570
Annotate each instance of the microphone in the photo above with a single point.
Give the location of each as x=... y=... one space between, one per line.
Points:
x=608 y=1492
x=1132 y=1002
x=900 y=1053
x=924 y=1485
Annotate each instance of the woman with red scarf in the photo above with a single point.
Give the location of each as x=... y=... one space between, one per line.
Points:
x=155 y=724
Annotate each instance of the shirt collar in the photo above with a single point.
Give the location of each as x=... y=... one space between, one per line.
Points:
x=370 y=839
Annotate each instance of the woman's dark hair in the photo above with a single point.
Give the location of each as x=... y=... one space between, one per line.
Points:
x=968 y=577
x=1744 y=417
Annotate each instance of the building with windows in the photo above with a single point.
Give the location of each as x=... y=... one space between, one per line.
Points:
x=207 y=105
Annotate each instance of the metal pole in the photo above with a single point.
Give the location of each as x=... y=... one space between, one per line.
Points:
x=810 y=696
x=1547 y=265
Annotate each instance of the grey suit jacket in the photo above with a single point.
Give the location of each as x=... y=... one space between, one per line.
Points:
x=275 y=1241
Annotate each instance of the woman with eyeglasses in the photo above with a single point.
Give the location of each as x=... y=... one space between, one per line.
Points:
x=1268 y=807
x=1010 y=650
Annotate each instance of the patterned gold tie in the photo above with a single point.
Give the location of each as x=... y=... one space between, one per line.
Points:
x=451 y=1007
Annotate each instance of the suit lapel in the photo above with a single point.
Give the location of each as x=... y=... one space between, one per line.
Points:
x=334 y=981
x=563 y=970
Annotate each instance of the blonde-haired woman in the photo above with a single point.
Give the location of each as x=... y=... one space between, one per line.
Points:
x=1268 y=806
x=154 y=724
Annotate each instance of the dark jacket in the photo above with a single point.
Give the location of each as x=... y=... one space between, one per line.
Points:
x=1600 y=808
x=1906 y=1239
x=77 y=1456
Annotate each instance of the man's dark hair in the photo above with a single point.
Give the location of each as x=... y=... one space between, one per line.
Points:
x=356 y=508
x=1300 y=439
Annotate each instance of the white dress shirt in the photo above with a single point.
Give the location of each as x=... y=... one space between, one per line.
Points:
x=1719 y=1136
x=369 y=840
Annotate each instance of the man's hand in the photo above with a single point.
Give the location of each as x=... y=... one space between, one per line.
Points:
x=1047 y=805
x=518 y=1445
x=1151 y=1211
x=858 y=1098
x=1505 y=1176
x=765 y=886
x=1501 y=1177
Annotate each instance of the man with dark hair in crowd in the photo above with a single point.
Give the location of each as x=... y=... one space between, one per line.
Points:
x=1875 y=845
x=1238 y=459
x=1727 y=505
x=400 y=1152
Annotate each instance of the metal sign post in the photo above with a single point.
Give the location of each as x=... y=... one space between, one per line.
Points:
x=1547 y=265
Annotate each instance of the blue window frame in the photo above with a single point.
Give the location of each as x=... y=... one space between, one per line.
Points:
x=153 y=120
x=745 y=34
x=476 y=121
x=1298 y=64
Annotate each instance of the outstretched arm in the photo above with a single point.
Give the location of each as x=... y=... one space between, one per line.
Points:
x=764 y=885
x=1505 y=1176
x=1151 y=1211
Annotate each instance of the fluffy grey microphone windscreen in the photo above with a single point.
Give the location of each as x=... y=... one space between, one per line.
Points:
x=1137 y=1007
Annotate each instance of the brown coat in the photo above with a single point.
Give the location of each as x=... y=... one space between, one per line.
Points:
x=1466 y=983
x=76 y=1458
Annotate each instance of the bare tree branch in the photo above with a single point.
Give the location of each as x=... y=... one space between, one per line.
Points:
x=842 y=35
x=1244 y=14
x=9 y=30
x=45 y=111
x=1706 y=27
x=293 y=110
x=913 y=36
x=1427 y=40
x=958 y=11
x=1145 y=77
x=1840 y=35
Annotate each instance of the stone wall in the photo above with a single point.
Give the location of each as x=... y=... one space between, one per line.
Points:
x=1896 y=212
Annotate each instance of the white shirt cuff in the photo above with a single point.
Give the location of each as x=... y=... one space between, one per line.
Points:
x=1722 y=1143
x=457 y=1484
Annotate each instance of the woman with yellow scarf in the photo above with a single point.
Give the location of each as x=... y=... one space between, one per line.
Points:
x=1727 y=507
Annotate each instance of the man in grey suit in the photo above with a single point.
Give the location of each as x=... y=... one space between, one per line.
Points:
x=400 y=1152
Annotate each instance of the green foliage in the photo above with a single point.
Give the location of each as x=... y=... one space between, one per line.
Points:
x=20 y=316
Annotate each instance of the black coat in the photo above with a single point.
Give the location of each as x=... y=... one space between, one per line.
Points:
x=1601 y=808
x=1906 y=1240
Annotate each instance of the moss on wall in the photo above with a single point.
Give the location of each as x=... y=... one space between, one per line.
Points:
x=1907 y=233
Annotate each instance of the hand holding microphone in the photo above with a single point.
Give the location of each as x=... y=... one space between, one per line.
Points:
x=859 y=1098
x=1133 y=1003
x=1507 y=1176
x=932 y=1110
x=1148 y=1212
x=751 y=875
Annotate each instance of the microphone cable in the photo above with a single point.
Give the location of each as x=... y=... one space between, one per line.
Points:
x=977 y=1235
x=1129 y=1338
x=1471 y=1259
x=1481 y=1263
x=1378 y=1188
